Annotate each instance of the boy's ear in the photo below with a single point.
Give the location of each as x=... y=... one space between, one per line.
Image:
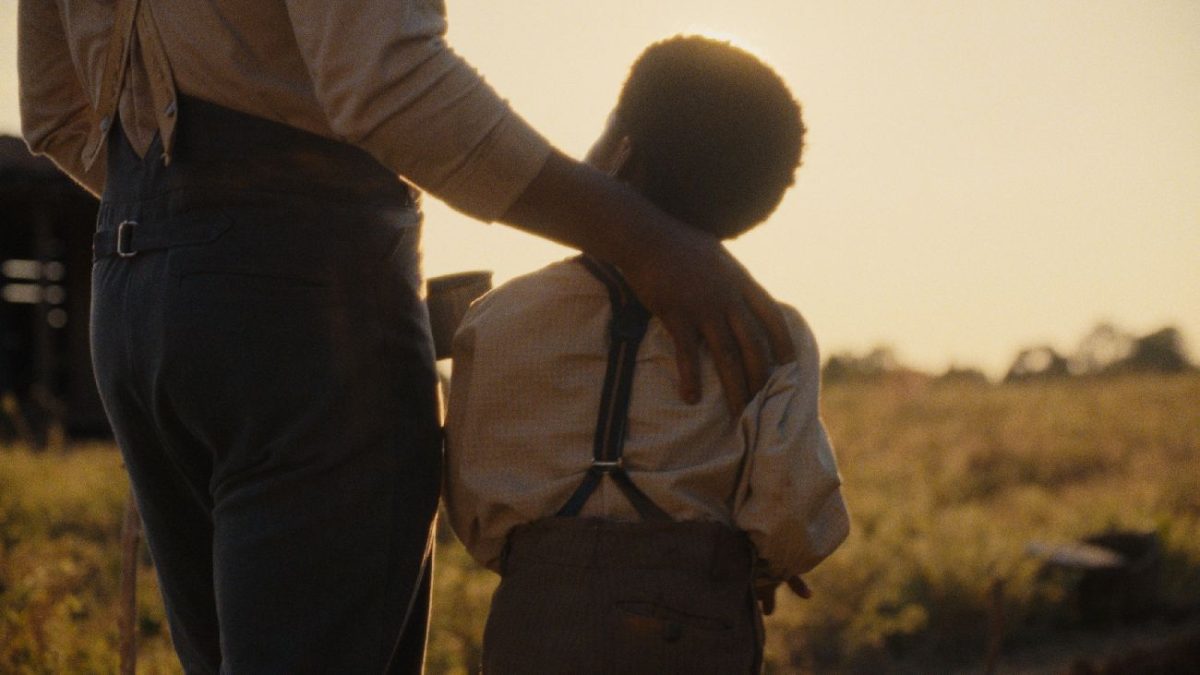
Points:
x=620 y=157
x=627 y=165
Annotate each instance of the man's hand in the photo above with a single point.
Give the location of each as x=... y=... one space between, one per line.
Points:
x=703 y=295
x=684 y=276
x=765 y=593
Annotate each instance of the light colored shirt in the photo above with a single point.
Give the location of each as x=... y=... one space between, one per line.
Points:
x=529 y=365
x=374 y=73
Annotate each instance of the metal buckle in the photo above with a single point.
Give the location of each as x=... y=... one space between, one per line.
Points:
x=125 y=239
x=606 y=466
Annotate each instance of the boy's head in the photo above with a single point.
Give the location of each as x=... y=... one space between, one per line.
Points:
x=707 y=132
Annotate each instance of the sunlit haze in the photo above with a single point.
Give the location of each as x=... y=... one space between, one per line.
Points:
x=978 y=176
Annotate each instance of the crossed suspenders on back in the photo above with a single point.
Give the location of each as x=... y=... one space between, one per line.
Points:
x=626 y=329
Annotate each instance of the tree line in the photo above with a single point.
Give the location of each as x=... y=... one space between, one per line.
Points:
x=1105 y=350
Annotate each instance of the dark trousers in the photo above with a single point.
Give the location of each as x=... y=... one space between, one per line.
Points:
x=264 y=358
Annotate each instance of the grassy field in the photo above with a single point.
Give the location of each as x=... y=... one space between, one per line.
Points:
x=947 y=484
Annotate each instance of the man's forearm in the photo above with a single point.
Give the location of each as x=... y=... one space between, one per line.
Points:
x=577 y=205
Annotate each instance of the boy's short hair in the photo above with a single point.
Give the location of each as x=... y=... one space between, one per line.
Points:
x=716 y=133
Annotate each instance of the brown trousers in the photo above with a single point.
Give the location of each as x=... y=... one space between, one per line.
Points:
x=585 y=596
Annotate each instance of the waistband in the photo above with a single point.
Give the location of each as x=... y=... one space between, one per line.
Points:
x=223 y=158
x=711 y=549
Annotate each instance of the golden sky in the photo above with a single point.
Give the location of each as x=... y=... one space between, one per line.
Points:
x=978 y=176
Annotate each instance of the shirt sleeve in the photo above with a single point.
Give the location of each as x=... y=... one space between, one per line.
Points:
x=788 y=500
x=56 y=113
x=389 y=83
x=484 y=543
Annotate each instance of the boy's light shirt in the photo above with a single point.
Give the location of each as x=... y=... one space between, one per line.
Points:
x=529 y=364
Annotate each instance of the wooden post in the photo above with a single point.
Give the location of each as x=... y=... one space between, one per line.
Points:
x=127 y=618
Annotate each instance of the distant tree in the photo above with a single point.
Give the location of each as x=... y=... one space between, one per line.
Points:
x=1159 y=352
x=1100 y=349
x=1037 y=363
x=957 y=373
x=877 y=363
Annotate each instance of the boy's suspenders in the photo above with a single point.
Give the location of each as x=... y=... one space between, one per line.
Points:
x=628 y=325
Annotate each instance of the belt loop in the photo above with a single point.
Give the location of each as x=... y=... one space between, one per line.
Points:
x=125 y=239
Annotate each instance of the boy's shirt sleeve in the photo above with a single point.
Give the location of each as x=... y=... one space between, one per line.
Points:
x=788 y=498
x=460 y=504
x=501 y=409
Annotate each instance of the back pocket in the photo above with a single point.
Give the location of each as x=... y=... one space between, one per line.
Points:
x=654 y=638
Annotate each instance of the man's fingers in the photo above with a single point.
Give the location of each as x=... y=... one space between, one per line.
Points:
x=727 y=357
x=755 y=352
x=767 y=311
x=709 y=298
x=687 y=359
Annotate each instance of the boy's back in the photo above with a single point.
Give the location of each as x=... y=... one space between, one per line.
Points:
x=529 y=363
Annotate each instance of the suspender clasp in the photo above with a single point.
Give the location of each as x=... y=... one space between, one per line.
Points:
x=606 y=466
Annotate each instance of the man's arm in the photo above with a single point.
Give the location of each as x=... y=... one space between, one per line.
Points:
x=389 y=83
x=56 y=114
x=684 y=276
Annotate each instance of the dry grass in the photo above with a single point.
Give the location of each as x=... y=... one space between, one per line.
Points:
x=947 y=483
x=60 y=521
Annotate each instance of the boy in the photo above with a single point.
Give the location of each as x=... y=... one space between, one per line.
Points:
x=633 y=542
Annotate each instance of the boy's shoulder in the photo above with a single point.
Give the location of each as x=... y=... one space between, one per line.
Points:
x=802 y=335
x=808 y=354
x=560 y=289
x=565 y=276
x=565 y=293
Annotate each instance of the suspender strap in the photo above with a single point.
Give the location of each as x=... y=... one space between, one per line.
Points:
x=628 y=326
x=591 y=480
